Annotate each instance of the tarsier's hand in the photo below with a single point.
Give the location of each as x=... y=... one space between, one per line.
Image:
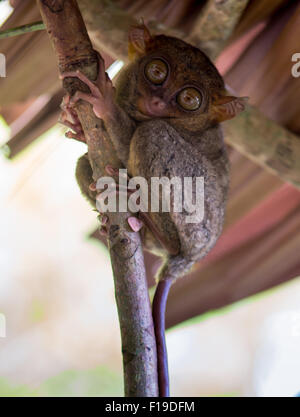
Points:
x=69 y=118
x=102 y=91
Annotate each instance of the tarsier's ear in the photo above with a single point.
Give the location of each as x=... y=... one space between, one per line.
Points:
x=138 y=37
x=227 y=107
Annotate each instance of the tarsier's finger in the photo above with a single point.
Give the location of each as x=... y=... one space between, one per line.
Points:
x=78 y=74
x=101 y=77
x=108 y=83
x=66 y=123
x=77 y=136
x=69 y=115
x=103 y=80
x=241 y=103
x=65 y=101
x=79 y=95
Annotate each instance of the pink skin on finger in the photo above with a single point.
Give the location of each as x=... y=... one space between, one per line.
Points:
x=92 y=186
x=69 y=118
x=101 y=95
x=77 y=136
x=135 y=224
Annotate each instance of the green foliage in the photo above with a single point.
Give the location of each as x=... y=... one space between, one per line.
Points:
x=98 y=382
x=9 y=390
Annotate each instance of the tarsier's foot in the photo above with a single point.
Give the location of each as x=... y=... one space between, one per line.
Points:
x=70 y=119
x=102 y=90
x=134 y=223
x=144 y=218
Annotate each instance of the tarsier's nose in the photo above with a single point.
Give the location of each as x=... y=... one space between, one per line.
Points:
x=157 y=104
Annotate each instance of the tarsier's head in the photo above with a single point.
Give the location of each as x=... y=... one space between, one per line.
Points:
x=169 y=78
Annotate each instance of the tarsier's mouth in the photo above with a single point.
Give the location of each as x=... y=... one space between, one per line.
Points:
x=141 y=115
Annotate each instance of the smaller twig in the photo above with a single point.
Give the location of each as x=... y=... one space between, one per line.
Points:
x=20 y=30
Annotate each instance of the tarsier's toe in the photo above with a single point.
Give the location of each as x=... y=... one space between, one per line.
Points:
x=93 y=186
x=103 y=231
x=135 y=223
x=104 y=220
x=113 y=172
x=77 y=136
x=70 y=135
x=65 y=101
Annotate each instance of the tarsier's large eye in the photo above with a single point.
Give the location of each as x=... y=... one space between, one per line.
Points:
x=189 y=98
x=156 y=71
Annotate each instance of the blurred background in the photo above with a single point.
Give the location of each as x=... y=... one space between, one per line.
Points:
x=234 y=323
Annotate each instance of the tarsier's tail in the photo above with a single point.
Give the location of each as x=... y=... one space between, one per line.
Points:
x=173 y=267
x=158 y=311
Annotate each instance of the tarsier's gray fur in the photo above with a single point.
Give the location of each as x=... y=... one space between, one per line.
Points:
x=171 y=147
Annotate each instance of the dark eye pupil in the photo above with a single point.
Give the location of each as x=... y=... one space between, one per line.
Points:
x=156 y=71
x=189 y=99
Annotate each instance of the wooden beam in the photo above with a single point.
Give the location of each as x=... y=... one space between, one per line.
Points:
x=215 y=24
x=266 y=143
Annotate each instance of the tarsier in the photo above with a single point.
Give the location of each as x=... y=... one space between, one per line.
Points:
x=163 y=119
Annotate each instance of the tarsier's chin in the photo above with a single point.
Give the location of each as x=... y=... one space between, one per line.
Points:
x=174 y=80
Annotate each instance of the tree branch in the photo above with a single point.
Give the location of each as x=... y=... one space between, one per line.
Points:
x=74 y=51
